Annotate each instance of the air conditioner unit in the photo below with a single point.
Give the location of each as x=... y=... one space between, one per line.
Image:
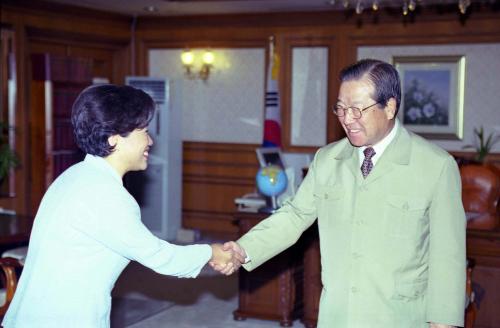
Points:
x=158 y=189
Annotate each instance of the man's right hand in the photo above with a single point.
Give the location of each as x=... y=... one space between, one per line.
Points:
x=236 y=248
x=238 y=256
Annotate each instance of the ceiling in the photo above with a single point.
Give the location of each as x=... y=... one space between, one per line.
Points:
x=208 y=7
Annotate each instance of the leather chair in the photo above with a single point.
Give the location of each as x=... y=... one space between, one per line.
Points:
x=480 y=194
x=9 y=266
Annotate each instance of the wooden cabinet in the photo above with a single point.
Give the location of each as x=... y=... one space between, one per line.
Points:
x=8 y=95
x=56 y=82
x=483 y=246
x=273 y=291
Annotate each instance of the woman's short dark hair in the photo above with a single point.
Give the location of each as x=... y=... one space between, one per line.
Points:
x=105 y=110
x=382 y=75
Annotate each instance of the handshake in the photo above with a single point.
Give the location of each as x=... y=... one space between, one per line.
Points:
x=227 y=257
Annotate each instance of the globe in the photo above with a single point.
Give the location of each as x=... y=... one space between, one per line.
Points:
x=271 y=181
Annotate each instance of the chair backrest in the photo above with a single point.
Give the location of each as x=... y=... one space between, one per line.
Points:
x=9 y=266
x=480 y=194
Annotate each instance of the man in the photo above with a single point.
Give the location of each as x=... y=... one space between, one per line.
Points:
x=390 y=217
x=88 y=227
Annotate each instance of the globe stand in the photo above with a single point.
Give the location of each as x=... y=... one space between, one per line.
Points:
x=272 y=208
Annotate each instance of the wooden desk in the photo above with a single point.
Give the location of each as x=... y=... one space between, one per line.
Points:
x=484 y=247
x=273 y=291
x=14 y=228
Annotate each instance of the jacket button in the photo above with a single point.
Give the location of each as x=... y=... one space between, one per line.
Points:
x=354 y=290
x=326 y=196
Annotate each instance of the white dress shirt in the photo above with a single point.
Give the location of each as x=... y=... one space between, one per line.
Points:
x=380 y=146
x=86 y=231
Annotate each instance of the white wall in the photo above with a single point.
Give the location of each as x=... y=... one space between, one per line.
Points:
x=229 y=107
x=482 y=86
x=309 y=96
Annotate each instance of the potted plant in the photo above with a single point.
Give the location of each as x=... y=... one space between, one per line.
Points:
x=8 y=158
x=483 y=145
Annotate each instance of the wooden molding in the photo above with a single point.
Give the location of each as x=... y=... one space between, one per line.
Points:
x=325 y=18
x=492 y=159
x=52 y=8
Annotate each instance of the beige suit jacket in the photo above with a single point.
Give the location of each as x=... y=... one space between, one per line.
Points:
x=392 y=245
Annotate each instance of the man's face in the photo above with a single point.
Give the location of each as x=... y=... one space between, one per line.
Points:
x=374 y=124
x=134 y=150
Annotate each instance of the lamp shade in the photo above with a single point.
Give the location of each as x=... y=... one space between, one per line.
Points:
x=208 y=57
x=187 y=57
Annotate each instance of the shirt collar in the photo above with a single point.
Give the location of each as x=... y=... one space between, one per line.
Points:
x=103 y=165
x=381 y=145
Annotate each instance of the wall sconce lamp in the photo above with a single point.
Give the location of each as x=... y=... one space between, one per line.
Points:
x=207 y=60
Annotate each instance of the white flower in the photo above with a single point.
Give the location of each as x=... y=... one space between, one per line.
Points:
x=414 y=113
x=418 y=96
x=429 y=110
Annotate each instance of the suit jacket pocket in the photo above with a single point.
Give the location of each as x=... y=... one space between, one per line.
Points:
x=405 y=216
x=409 y=290
x=329 y=203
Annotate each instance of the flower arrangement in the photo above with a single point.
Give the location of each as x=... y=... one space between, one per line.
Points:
x=424 y=107
x=483 y=144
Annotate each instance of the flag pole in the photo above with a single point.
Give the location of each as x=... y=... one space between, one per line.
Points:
x=272 y=115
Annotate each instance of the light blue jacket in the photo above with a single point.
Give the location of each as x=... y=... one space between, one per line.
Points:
x=87 y=229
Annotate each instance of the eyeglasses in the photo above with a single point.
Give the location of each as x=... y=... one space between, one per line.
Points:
x=356 y=112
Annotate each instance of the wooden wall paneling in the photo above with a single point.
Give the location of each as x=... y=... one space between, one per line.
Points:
x=444 y=31
x=101 y=59
x=213 y=176
x=60 y=30
x=121 y=65
x=56 y=81
x=141 y=57
x=110 y=56
x=7 y=74
x=40 y=47
x=22 y=199
x=37 y=144
x=64 y=19
x=349 y=31
x=19 y=202
x=344 y=35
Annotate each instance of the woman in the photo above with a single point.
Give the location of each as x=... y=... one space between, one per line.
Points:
x=88 y=227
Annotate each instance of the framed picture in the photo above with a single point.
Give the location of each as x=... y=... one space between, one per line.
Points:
x=269 y=156
x=432 y=95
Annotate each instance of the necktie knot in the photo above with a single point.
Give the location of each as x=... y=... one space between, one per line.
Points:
x=367 y=165
x=369 y=153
